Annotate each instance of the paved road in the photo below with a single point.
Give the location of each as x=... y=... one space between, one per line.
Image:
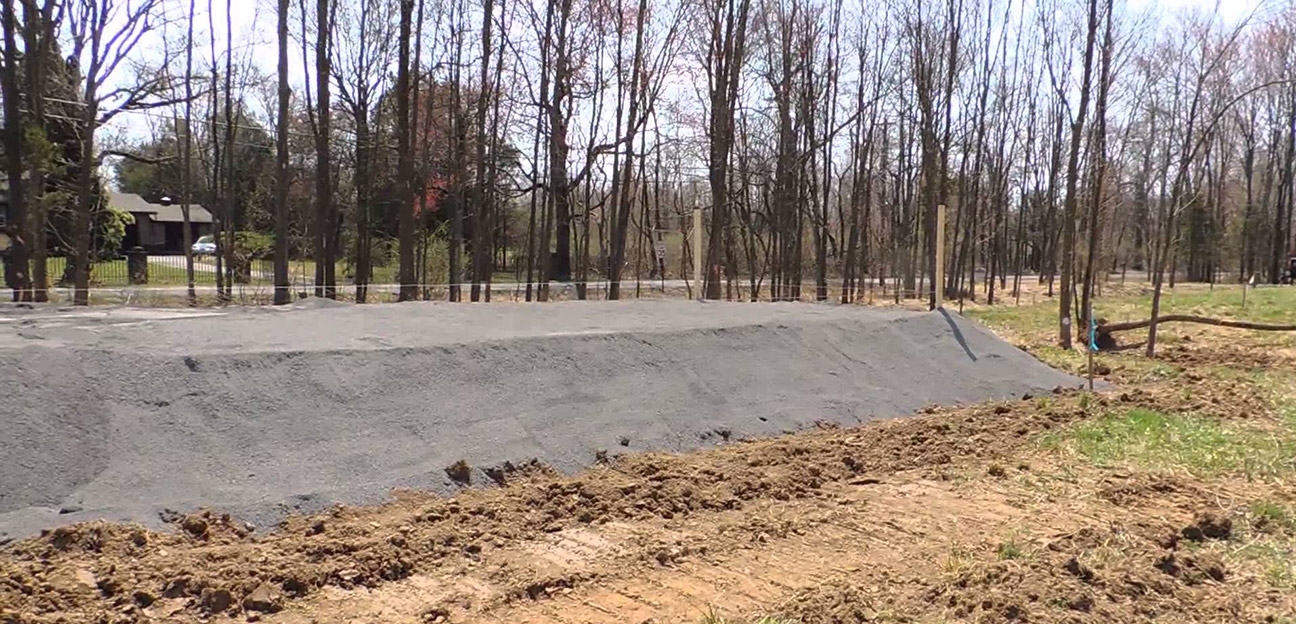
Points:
x=302 y=282
x=305 y=282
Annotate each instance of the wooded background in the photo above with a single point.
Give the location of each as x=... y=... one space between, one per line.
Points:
x=462 y=140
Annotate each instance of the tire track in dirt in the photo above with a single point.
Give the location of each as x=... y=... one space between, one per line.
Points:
x=750 y=559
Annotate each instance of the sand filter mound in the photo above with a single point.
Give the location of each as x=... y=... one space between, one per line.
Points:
x=133 y=415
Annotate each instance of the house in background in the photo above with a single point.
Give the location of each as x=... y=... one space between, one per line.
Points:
x=159 y=229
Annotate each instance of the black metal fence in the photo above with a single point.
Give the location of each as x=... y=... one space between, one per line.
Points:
x=162 y=271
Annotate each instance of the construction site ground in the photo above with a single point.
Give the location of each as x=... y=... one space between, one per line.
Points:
x=1166 y=496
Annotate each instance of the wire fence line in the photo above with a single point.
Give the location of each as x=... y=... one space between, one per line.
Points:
x=162 y=280
x=260 y=291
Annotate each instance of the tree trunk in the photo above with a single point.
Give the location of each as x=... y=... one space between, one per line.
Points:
x=1065 y=331
x=405 y=158
x=622 y=224
x=282 y=294
x=1099 y=158
x=86 y=197
x=186 y=174
x=17 y=273
x=37 y=34
x=559 y=184
x=325 y=222
x=480 y=217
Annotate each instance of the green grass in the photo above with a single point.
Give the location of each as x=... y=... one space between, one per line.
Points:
x=1200 y=445
x=1263 y=305
x=390 y=274
x=1009 y=550
x=1272 y=517
x=115 y=272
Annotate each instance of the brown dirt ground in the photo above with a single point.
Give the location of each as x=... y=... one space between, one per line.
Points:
x=953 y=515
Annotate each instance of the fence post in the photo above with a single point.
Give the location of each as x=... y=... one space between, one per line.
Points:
x=136 y=266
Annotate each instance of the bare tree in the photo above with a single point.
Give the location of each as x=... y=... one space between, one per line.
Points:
x=723 y=62
x=1065 y=330
x=364 y=36
x=104 y=33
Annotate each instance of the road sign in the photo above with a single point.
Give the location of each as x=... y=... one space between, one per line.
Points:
x=660 y=249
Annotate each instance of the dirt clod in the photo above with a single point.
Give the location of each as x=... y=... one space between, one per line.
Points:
x=460 y=472
x=838 y=602
x=215 y=600
x=144 y=598
x=195 y=525
x=1209 y=525
x=1079 y=570
x=263 y=599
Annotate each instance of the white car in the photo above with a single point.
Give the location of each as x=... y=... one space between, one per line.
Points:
x=204 y=246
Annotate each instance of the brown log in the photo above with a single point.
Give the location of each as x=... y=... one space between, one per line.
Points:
x=1108 y=328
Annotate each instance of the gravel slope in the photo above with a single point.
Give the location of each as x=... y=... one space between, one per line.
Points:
x=126 y=414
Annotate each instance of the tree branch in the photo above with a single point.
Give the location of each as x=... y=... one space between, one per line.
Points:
x=147 y=160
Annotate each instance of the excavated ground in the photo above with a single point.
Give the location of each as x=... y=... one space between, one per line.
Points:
x=1165 y=497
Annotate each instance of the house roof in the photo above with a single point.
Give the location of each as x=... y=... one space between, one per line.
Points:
x=134 y=204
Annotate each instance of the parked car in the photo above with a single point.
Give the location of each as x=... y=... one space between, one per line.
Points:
x=205 y=246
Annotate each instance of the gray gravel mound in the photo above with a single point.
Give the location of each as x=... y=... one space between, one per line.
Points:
x=264 y=413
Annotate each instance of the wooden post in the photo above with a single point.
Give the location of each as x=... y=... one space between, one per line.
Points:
x=697 y=251
x=938 y=283
x=1090 y=340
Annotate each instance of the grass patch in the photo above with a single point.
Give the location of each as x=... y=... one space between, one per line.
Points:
x=1202 y=446
x=958 y=561
x=168 y=272
x=1263 y=305
x=1271 y=517
x=1276 y=561
x=1280 y=575
x=1009 y=550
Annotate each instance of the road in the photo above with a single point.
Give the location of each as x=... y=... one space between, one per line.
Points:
x=304 y=283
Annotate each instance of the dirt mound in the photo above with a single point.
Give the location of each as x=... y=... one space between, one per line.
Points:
x=351 y=547
x=1106 y=574
x=258 y=421
x=953 y=514
x=1081 y=574
x=866 y=510
x=835 y=602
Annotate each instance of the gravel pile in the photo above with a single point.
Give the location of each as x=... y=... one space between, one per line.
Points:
x=130 y=414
